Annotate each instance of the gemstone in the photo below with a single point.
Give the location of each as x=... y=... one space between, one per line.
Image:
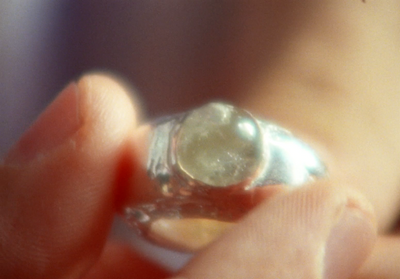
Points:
x=219 y=145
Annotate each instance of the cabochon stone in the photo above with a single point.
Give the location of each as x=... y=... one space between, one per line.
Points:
x=219 y=145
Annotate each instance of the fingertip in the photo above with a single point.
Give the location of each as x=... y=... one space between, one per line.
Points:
x=306 y=231
x=60 y=203
x=106 y=99
x=57 y=123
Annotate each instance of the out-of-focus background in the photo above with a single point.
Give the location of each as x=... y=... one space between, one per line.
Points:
x=176 y=53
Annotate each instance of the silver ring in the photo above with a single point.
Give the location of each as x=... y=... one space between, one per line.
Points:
x=205 y=163
x=218 y=145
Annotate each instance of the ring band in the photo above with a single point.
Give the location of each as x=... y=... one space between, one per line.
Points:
x=209 y=162
x=219 y=145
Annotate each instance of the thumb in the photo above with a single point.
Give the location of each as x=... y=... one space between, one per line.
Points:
x=319 y=231
x=57 y=189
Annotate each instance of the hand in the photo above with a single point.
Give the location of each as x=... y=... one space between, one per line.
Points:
x=63 y=181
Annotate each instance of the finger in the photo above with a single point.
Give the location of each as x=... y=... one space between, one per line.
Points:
x=57 y=188
x=319 y=231
x=119 y=262
x=384 y=260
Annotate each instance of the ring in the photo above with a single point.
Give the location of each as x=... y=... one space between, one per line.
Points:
x=210 y=162
x=218 y=145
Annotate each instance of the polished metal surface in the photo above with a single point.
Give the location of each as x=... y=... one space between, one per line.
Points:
x=210 y=163
x=285 y=160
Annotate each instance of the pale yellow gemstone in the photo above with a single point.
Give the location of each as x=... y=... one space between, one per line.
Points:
x=219 y=145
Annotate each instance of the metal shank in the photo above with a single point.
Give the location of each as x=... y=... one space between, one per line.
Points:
x=286 y=159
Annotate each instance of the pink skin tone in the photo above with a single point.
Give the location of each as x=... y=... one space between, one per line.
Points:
x=322 y=230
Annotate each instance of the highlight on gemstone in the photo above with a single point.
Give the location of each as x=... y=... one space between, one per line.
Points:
x=219 y=145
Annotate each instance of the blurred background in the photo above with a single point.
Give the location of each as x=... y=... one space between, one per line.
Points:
x=177 y=53
x=157 y=46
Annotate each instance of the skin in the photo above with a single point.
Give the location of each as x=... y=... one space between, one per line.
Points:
x=62 y=183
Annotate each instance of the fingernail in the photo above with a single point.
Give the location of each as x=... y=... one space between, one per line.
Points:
x=188 y=234
x=57 y=123
x=349 y=243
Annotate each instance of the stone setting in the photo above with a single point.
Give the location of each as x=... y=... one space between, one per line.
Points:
x=219 y=145
x=205 y=167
